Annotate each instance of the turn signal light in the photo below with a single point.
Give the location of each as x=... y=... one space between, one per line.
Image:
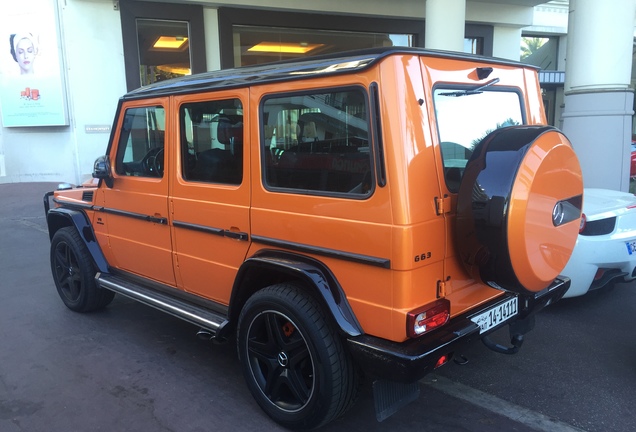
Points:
x=427 y=318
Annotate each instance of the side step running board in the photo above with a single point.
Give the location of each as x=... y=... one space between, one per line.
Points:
x=202 y=317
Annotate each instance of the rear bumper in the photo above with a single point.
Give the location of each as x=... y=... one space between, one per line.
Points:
x=411 y=360
x=591 y=253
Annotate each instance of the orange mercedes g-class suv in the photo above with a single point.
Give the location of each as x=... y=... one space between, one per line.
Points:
x=359 y=215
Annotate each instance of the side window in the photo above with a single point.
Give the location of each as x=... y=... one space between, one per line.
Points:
x=318 y=143
x=212 y=141
x=140 y=150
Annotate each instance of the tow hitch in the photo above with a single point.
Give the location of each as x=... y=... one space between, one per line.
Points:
x=460 y=360
x=517 y=330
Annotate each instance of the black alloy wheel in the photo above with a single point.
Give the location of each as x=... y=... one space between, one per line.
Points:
x=74 y=273
x=280 y=361
x=293 y=360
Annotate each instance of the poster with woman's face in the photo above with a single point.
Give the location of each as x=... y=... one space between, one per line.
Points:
x=31 y=85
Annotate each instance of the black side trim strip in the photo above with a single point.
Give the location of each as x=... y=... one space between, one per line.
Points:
x=159 y=220
x=211 y=230
x=201 y=228
x=73 y=206
x=333 y=253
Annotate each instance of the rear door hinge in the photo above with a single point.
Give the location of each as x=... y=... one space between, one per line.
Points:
x=442 y=205
x=441 y=287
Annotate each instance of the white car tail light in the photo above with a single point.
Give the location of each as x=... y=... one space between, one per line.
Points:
x=583 y=223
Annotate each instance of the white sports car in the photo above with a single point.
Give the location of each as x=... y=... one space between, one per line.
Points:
x=605 y=250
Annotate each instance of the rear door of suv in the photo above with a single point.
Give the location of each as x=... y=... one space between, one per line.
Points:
x=210 y=192
x=463 y=117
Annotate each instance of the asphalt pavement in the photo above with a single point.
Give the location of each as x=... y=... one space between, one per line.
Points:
x=131 y=368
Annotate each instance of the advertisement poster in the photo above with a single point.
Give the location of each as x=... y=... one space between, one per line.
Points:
x=31 y=85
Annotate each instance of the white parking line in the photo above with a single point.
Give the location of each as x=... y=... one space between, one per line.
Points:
x=519 y=414
x=34 y=225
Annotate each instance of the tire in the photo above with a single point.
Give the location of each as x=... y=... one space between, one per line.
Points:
x=74 y=273
x=292 y=359
x=518 y=208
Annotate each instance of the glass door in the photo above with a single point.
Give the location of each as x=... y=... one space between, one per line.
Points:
x=164 y=50
x=161 y=41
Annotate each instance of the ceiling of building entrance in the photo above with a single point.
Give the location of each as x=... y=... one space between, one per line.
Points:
x=528 y=3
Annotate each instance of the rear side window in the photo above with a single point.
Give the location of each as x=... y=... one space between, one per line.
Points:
x=141 y=141
x=464 y=118
x=212 y=141
x=317 y=143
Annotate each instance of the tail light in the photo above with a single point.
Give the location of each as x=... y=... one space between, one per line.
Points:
x=583 y=223
x=427 y=318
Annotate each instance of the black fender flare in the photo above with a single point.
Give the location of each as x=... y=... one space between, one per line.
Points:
x=60 y=217
x=313 y=273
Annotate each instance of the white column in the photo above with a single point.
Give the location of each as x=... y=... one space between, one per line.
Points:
x=606 y=30
x=445 y=23
x=507 y=42
x=212 y=42
x=598 y=110
x=3 y=170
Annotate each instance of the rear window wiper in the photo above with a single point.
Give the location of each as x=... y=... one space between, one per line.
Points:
x=477 y=90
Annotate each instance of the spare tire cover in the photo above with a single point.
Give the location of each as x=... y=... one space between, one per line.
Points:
x=519 y=208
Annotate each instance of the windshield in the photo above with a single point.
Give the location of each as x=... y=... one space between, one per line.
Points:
x=464 y=118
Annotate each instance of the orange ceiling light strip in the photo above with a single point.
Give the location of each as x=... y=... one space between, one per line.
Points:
x=289 y=48
x=170 y=42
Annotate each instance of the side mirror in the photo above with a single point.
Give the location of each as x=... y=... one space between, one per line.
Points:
x=101 y=170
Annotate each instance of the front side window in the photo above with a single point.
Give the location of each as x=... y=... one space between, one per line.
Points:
x=212 y=141
x=464 y=118
x=317 y=143
x=140 y=150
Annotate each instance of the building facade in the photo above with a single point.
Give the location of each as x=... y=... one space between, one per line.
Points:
x=57 y=108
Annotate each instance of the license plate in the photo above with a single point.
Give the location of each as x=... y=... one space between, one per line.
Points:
x=496 y=315
x=631 y=246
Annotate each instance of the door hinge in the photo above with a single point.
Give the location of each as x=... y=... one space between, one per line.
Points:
x=441 y=287
x=442 y=205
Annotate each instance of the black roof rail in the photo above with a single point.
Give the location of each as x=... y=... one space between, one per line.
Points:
x=337 y=63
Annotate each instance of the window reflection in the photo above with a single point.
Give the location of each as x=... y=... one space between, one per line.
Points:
x=164 y=50
x=258 y=45
x=464 y=119
x=318 y=143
